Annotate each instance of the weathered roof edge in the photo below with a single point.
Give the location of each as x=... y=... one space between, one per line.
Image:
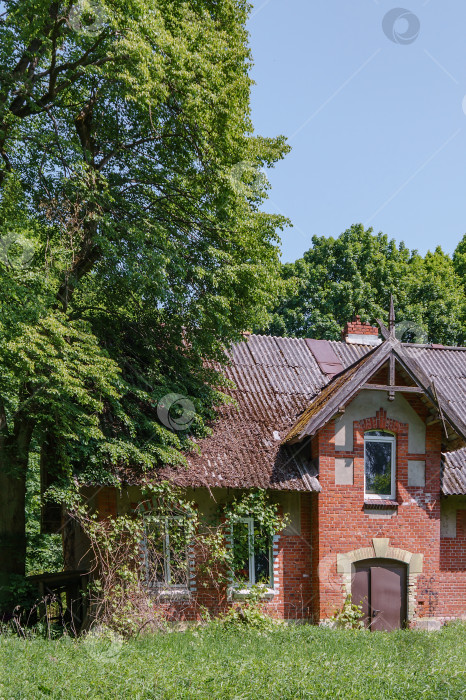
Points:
x=358 y=372
x=454 y=473
x=365 y=368
x=429 y=387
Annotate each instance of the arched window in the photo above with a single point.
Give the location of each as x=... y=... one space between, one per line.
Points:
x=379 y=464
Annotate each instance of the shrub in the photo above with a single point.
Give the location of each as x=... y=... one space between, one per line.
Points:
x=349 y=616
x=250 y=613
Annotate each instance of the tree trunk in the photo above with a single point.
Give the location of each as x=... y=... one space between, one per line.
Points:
x=51 y=512
x=14 y=453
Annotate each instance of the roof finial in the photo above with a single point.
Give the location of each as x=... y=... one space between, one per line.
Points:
x=391 y=321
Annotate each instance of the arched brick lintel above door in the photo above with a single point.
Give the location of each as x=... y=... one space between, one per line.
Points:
x=381 y=549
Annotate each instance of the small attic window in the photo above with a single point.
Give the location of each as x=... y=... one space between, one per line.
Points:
x=379 y=464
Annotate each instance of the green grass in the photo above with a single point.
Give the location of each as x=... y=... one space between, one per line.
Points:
x=290 y=662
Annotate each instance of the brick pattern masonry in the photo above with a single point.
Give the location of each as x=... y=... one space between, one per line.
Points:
x=312 y=569
x=357 y=327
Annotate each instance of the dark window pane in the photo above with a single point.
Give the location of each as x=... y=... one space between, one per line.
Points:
x=262 y=567
x=261 y=556
x=250 y=541
x=378 y=466
x=241 y=548
x=178 y=559
x=155 y=535
x=167 y=561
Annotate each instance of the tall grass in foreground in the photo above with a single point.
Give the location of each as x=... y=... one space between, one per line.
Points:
x=295 y=661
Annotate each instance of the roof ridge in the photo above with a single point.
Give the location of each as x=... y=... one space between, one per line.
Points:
x=420 y=346
x=431 y=346
x=301 y=337
x=332 y=386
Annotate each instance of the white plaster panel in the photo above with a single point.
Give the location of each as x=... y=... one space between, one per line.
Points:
x=344 y=470
x=291 y=504
x=448 y=518
x=208 y=502
x=376 y=514
x=416 y=472
x=365 y=405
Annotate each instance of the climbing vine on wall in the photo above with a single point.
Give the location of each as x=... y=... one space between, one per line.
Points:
x=140 y=557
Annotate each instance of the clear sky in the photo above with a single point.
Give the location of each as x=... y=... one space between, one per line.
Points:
x=377 y=128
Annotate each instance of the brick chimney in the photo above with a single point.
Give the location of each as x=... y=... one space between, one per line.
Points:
x=358 y=333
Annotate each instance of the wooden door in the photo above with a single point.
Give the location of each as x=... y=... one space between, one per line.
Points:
x=360 y=591
x=379 y=586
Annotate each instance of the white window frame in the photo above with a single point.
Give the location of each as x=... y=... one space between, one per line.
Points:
x=243 y=590
x=166 y=585
x=381 y=438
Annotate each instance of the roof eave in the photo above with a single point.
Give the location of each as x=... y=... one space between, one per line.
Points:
x=381 y=353
x=347 y=391
x=432 y=392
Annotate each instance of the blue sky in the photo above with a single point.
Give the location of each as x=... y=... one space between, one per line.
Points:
x=377 y=128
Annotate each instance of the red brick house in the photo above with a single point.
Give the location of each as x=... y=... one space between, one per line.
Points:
x=363 y=443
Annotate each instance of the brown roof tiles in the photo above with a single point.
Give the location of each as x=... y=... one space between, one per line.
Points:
x=279 y=388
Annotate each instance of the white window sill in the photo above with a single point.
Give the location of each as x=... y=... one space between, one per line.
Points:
x=376 y=496
x=245 y=593
x=372 y=499
x=171 y=594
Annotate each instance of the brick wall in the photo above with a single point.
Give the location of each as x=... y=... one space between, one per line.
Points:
x=292 y=564
x=292 y=576
x=345 y=525
x=357 y=327
x=296 y=566
x=452 y=576
x=334 y=522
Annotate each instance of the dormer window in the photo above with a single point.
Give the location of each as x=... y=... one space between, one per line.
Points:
x=379 y=465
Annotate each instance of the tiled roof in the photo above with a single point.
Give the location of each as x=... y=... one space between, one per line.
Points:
x=454 y=473
x=276 y=379
x=447 y=367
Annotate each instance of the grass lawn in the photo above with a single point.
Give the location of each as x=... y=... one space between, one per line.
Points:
x=290 y=662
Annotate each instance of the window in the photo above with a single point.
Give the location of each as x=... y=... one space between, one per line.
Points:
x=252 y=554
x=379 y=464
x=166 y=551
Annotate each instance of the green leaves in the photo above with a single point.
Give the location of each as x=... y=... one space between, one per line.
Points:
x=121 y=129
x=356 y=273
x=291 y=661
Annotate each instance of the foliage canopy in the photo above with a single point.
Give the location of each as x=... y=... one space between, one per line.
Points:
x=356 y=273
x=133 y=248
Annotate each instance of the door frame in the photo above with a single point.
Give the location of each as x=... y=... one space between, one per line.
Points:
x=380 y=549
x=366 y=565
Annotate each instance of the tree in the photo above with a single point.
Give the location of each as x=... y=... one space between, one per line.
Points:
x=355 y=274
x=459 y=260
x=131 y=232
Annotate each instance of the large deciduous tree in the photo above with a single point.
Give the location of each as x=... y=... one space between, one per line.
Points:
x=459 y=261
x=355 y=274
x=132 y=244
